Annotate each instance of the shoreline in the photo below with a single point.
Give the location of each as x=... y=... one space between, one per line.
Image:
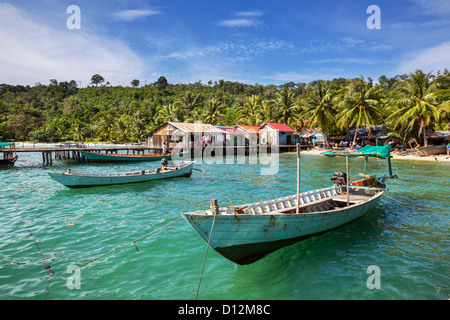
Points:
x=396 y=155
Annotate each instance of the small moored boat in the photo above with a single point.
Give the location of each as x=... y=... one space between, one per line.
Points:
x=246 y=233
x=9 y=155
x=432 y=150
x=78 y=180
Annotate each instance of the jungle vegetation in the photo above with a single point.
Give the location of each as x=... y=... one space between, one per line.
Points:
x=406 y=105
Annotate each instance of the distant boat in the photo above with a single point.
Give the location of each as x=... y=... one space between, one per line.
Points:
x=432 y=150
x=117 y=157
x=78 y=180
x=246 y=233
x=9 y=155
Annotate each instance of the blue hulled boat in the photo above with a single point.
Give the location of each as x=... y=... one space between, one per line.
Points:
x=246 y=233
x=78 y=180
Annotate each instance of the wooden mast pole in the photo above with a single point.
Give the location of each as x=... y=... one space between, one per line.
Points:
x=298 y=177
x=348 y=193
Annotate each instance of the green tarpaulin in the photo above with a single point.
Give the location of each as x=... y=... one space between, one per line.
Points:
x=383 y=152
x=6 y=144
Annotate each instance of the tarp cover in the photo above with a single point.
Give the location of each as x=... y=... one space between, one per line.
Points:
x=5 y=144
x=382 y=152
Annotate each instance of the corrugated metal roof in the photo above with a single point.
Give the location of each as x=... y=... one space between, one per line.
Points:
x=233 y=130
x=196 y=127
x=279 y=126
x=251 y=129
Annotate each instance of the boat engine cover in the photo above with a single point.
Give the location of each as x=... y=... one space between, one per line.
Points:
x=339 y=177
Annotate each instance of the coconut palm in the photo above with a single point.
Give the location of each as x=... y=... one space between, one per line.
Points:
x=170 y=112
x=267 y=112
x=359 y=105
x=190 y=101
x=121 y=128
x=319 y=108
x=248 y=112
x=76 y=130
x=137 y=126
x=286 y=104
x=105 y=126
x=212 y=111
x=417 y=100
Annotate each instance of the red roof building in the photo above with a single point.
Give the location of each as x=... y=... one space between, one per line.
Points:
x=272 y=133
x=280 y=126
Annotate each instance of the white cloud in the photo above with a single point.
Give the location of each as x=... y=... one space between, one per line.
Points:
x=244 y=19
x=436 y=7
x=255 y=13
x=234 y=51
x=238 y=23
x=431 y=59
x=31 y=52
x=131 y=15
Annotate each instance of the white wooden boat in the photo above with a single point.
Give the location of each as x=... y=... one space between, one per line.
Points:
x=78 y=180
x=246 y=233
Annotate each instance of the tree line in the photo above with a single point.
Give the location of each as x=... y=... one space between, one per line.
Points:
x=406 y=105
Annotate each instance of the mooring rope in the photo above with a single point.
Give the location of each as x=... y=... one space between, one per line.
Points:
x=204 y=260
x=124 y=245
x=46 y=265
x=423 y=208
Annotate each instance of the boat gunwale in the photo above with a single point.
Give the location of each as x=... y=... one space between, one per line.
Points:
x=124 y=174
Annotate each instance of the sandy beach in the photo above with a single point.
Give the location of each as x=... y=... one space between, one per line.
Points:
x=397 y=155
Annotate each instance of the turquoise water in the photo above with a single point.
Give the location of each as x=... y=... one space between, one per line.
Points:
x=408 y=241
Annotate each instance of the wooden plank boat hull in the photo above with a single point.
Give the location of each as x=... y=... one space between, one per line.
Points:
x=8 y=162
x=86 y=181
x=432 y=150
x=246 y=238
x=103 y=157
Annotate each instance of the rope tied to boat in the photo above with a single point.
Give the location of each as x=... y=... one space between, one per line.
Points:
x=206 y=253
x=126 y=244
x=423 y=208
x=46 y=265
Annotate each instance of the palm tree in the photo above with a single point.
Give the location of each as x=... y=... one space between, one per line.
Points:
x=190 y=101
x=76 y=128
x=105 y=126
x=267 y=112
x=138 y=126
x=359 y=104
x=249 y=111
x=286 y=105
x=319 y=106
x=213 y=111
x=170 y=112
x=121 y=128
x=417 y=100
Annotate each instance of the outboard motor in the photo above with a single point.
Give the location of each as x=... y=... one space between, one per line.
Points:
x=164 y=162
x=339 y=177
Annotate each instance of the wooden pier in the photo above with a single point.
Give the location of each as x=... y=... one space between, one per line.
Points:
x=74 y=153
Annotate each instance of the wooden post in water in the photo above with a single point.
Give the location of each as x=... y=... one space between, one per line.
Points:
x=348 y=190
x=298 y=178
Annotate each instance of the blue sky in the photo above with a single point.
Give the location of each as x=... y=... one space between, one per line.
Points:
x=265 y=42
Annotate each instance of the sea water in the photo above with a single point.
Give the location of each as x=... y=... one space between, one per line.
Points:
x=42 y=223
